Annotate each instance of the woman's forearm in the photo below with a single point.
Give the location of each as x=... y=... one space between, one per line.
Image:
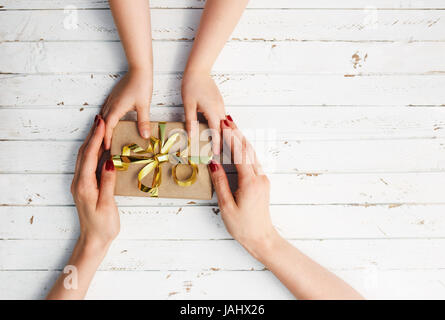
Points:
x=76 y=277
x=132 y=19
x=304 y=278
x=217 y=23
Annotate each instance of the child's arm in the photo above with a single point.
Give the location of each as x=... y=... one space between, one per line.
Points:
x=98 y=217
x=134 y=90
x=247 y=219
x=199 y=91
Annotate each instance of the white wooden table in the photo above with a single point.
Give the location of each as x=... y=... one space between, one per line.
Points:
x=355 y=97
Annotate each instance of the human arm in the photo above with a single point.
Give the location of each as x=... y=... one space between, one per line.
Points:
x=247 y=219
x=134 y=90
x=98 y=218
x=199 y=91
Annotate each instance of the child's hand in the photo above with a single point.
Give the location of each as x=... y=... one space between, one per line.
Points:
x=200 y=94
x=133 y=92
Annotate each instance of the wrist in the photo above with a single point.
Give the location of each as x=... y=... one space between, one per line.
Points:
x=264 y=246
x=146 y=70
x=200 y=71
x=92 y=246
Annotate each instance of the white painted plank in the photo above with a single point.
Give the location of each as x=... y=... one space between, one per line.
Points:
x=285 y=4
x=255 y=24
x=384 y=188
x=349 y=156
x=278 y=57
x=151 y=285
x=203 y=222
x=372 y=283
x=301 y=123
x=159 y=255
x=248 y=89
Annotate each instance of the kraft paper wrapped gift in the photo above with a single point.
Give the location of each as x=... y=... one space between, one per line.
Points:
x=126 y=133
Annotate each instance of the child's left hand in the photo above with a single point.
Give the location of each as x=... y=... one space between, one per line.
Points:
x=200 y=94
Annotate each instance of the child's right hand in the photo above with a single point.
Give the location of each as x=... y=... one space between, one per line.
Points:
x=133 y=92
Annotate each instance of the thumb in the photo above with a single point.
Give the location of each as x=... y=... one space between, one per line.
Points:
x=144 y=121
x=221 y=184
x=107 y=182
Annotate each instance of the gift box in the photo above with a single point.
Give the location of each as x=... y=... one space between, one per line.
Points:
x=159 y=167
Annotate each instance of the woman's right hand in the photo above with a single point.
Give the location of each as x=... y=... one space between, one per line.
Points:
x=98 y=217
x=246 y=216
x=98 y=213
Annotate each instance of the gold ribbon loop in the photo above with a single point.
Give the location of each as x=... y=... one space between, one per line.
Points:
x=159 y=148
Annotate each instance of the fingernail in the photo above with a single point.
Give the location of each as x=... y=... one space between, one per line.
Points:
x=226 y=123
x=145 y=134
x=213 y=166
x=109 y=165
x=96 y=119
x=229 y=118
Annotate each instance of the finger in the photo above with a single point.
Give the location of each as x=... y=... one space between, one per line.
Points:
x=93 y=127
x=107 y=183
x=250 y=151
x=257 y=167
x=104 y=109
x=251 y=155
x=111 y=121
x=144 y=121
x=214 y=120
x=82 y=147
x=191 y=118
x=214 y=125
x=219 y=178
x=90 y=157
x=238 y=149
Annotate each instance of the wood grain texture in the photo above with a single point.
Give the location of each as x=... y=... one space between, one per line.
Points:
x=304 y=157
x=260 y=25
x=284 y=57
x=363 y=188
x=161 y=255
x=373 y=283
x=285 y=4
x=246 y=89
x=346 y=96
x=284 y=122
x=391 y=221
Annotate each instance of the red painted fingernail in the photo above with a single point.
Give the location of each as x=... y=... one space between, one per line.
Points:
x=96 y=119
x=229 y=118
x=226 y=123
x=213 y=166
x=109 y=165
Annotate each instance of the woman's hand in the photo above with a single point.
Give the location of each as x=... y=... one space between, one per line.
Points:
x=98 y=217
x=200 y=94
x=98 y=214
x=133 y=92
x=246 y=215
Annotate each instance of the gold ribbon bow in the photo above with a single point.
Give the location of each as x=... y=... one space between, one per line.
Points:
x=159 y=148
